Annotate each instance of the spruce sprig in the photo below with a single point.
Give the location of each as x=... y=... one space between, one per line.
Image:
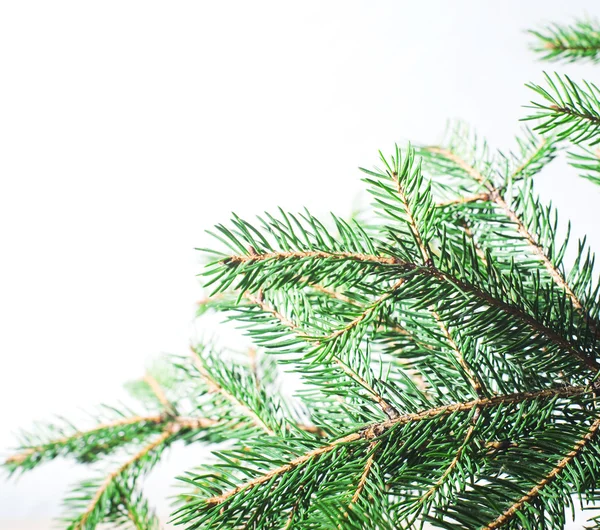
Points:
x=577 y=41
x=572 y=110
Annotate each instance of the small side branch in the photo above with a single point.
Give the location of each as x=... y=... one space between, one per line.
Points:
x=412 y=223
x=81 y=523
x=450 y=467
x=511 y=512
x=19 y=458
x=365 y=474
x=459 y=355
x=214 y=386
x=386 y=407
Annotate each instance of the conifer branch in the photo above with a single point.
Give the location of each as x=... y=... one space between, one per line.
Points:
x=391 y=326
x=570 y=42
x=375 y=430
x=414 y=227
x=511 y=512
x=315 y=453
x=440 y=482
x=431 y=271
x=495 y=196
x=443 y=351
x=534 y=324
x=19 y=458
x=367 y=312
x=572 y=110
x=177 y=422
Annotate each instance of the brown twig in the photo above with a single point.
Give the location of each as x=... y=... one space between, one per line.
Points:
x=159 y=393
x=237 y=259
x=464 y=200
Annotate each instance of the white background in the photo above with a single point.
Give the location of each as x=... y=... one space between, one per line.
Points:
x=128 y=128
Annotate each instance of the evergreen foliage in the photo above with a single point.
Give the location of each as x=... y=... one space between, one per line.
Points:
x=577 y=41
x=443 y=352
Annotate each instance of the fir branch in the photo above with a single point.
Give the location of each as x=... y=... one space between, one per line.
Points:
x=577 y=41
x=412 y=223
x=296 y=462
x=368 y=311
x=430 y=271
x=19 y=458
x=573 y=111
x=534 y=492
x=31 y=456
x=495 y=196
x=388 y=324
x=404 y=197
x=510 y=309
x=374 y=432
